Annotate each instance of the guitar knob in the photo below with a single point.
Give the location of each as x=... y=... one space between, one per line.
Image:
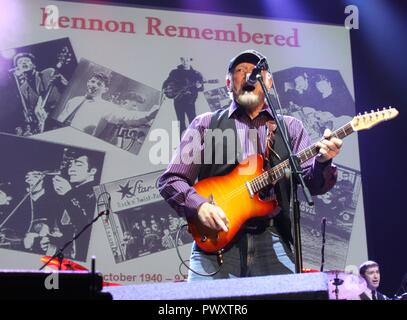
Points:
x=204 y=238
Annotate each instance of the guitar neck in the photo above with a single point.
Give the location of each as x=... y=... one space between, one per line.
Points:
x=274 y=174
x=211 y=81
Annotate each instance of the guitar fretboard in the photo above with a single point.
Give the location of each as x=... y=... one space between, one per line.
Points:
x=274 y=174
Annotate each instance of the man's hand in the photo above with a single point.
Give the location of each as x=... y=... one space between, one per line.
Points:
x=329 y=147
x=29 y=239
x=213 y=217
x=61 y=185
x=4 y=198
x=40 y=113
x=58 y=78
x=153 y=112
x=33 y=179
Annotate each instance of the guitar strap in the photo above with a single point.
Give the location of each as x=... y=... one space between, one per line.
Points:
x=41 y=87
x=275 y=153
x=69 y=119
x=271 y=127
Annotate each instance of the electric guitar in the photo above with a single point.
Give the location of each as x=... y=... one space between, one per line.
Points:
x=173 y=91
x=64 y=57
x=237 y=192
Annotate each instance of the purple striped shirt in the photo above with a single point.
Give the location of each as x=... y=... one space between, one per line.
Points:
x=176 y=183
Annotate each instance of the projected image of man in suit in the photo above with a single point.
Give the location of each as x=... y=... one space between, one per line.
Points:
x=370 y=271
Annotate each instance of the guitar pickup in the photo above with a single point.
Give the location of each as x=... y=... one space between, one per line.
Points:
x=249 y=189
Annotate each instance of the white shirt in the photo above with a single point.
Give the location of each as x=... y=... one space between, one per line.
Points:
x=92 y=111
x=368 y=292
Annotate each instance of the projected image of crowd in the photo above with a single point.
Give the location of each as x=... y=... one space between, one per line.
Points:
x=145 y=232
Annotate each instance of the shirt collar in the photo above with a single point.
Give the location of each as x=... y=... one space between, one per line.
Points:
x=369 y=292
x=234 y=107
x=35 y=196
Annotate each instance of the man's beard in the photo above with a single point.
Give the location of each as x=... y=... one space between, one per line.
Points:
x=248 y=99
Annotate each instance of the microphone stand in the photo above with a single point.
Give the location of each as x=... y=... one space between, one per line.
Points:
x=60 y=253
x=323 y=222
x=296 y=173
x=27 y=113
x=28 y=194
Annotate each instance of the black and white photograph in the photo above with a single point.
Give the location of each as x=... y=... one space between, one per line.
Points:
x=338 y=206
x=149 y=229
x=32 y=81
x=317 y=97
x=46 y=196
x=321 y=89
x=142 y=223
x=217 y=98
x=183 y=85
x=109 y=106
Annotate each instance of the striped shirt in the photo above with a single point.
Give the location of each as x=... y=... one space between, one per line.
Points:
x=175 y=185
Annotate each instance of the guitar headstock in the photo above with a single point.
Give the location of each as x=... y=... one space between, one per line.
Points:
x=370 y=119
x=64 y=57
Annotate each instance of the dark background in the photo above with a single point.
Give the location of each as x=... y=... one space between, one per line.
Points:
x=379 y=65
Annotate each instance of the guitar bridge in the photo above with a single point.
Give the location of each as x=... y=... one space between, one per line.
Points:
x=249 y=189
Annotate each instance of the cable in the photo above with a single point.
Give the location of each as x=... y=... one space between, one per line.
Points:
x=183 y=261
x=180 y=271
x=323 y=222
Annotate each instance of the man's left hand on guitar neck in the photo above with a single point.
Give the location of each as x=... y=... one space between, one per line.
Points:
x=58 y=78
x=329 y=147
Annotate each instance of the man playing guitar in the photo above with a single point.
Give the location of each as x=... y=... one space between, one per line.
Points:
x=264 y=245
x=183 y=85
x=39 y=90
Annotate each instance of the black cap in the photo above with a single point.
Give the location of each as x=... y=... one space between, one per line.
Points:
x=251 y=56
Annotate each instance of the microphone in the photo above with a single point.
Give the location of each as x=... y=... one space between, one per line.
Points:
x=323 y=222
x=252 y=78
x=108 y=208
x=103 y=204
x=109 y=205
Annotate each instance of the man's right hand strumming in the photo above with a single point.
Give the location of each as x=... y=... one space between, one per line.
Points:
x=213 y=217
